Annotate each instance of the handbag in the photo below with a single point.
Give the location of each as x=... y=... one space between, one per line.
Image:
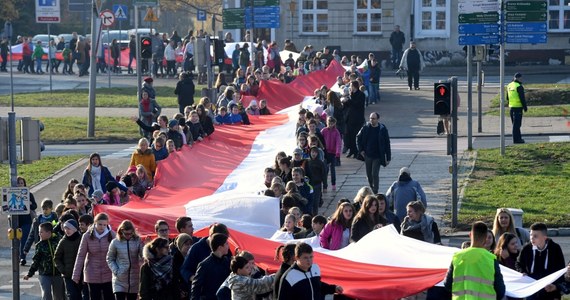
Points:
x=440 y=129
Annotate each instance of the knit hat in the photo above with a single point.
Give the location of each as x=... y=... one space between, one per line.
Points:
x=297 y=151
x=71 y=224
x=98 y=194
x=182 y=121
x=111 y=185
x=518 y=75
x=181 y=239
x=148 y=79
x=405 y=170
x=172 y=123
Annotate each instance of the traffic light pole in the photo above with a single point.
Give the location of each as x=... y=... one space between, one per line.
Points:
x=469 y=98
x=93 y=75
x=453 y=140
x=14 y=219
x=138 y=55
x=502 y=82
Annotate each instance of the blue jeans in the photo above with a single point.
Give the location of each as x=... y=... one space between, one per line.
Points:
x=516 y=120
x=25 y=232
x=317 y=193
x=373 y=92
x=396 y=56
x=38 y=65
x=51 y=286
x=72 y=289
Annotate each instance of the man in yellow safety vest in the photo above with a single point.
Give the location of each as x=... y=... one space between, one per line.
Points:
x=474 y=272
x=517 y=103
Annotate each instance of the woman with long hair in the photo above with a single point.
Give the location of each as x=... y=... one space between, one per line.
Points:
x=157 y=277
x=336 y=234
x=69 y=190
x=367 y=219
x=504 y=222
x=360 y=195
x=96 y=176
x=124 y=259
x=205 y=120
x=418 y=225
x=143 y=156
x=507 y=250
x=91 y=259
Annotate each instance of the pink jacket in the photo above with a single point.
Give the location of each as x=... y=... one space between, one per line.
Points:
x=332 y=140
x=331 y=236
x=92 y=258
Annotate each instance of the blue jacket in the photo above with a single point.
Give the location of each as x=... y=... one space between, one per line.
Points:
x=210 y=275
x=235 y=118
x=224 y=119
x=159 y=154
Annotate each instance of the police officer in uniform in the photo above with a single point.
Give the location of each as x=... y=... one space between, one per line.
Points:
x=517 y=103
x=474 y=272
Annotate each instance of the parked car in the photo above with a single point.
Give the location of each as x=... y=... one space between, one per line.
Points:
x=122 y=37
x=67 y=37
x=44 y=38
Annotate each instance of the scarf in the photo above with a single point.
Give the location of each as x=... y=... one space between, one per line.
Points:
x=162 y=270
x=98 y=235
x=424 y=226
x=96 y=178
x=145 y=105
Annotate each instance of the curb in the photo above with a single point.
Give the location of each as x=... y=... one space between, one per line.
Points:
x=62 y=172
x=91 y=142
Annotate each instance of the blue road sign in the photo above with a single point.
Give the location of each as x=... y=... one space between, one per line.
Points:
x=527 y=38
x=121 y=12
x=201 y=15
x=263 y=16
x=47 y=2
x=478 y=39
x=478 y=28
x=526 y=27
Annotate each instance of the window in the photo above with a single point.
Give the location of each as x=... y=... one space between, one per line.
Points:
x=314 y=17
x=432 y=18
x=368 y=17
x=559 y=15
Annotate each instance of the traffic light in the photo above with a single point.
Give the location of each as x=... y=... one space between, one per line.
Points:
x=146 y=47
x=31 y=145
x=219 y=51
x=442 y=98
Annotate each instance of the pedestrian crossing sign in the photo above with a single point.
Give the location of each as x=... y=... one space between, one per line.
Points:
x=15 y=201
x=121 y=12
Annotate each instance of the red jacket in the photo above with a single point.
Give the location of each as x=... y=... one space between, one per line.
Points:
x=331 y=236
x=333 y=142
x=26 y=50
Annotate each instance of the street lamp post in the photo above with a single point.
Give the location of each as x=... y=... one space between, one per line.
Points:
x=292 y=8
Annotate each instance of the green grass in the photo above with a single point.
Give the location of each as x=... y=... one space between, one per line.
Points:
x=114 y=97
x=533 y=177
x=541 y=94
x=59 y=130
x=538 y=111
x=38 y=170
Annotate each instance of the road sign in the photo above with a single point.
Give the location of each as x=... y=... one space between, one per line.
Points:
x=15 y=200
x=145 y=2
x=478 y=28
x=526 y=16
x=201 y=15
x=47 y=11
x=233 y=18
x=479 y=18
x=261 y=3
x=527 y=38
x=526 y=6
x=262 y=16
x=150 y=16
x=478 y=39
x=121 y=12
x=478 y=6
x=78 y=5
x=527 y=27
x=107 y=18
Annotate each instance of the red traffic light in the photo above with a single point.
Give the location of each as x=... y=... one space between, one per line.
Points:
x=442 y=89
x=146 y=43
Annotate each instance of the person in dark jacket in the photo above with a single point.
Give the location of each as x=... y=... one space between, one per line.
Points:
x=65 y=255
x=387 y=214
x=367 y=219
x=374 y=86
x=96 y=176
x=286 y=254
x=185 y=90
x=397 y=40
x=213 y=270
x=418 y=225
x=540 y=258
x=303 y=280
x=174 y=135
x=373 y=143
x=132 y=52
x=413 y=62
x=156 y=274
x=354 y=117
x=178 y=249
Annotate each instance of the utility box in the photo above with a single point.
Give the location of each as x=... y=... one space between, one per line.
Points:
x=480 y=53
x=517 y=216
x=30 y=145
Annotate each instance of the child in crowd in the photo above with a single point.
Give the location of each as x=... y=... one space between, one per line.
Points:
x=143 y=179
x=113 y=194
x=174 y=135
x=318 y=175
x=305 y=190
x=159 y=149
x=223 y=117
x=235 y=116
x=195 y=127
x=293 y=191
x=333 y=146
x=65 y=255
x=84 y=222
x=170 y=146
x=290 y=227
x=317 y=223
x=47 y=216
x=263 y=110
x=66 y=53
x=51 y=282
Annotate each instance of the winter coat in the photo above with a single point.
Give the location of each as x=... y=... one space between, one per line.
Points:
x=105 y=177
x=210 y=275
x=185 y=90
x=354 y=109
x=34 y=237
x=406 y=66
x=331 y=236
x=124 y=259
x=246 y=288
x=300 y=285
x=401 y=192
x=333 y=141
x=362 y=227
x=147 y=291
x=66 y=253
x=318 y=171
x=43 y=258
x=146 y=159
x=91 y=258
x=38 y=52
x=384 y=148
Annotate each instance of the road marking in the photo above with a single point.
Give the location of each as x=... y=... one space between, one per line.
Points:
x=559 y=138
x=122 y=154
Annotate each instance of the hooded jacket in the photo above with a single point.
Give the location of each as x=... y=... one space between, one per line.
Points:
x=91 y=257
x=146 y=159
x=185 y=90
x=43 y=258
x=66 y=253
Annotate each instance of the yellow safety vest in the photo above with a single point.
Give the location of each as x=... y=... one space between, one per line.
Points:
x=513 y=94
x=473 y=274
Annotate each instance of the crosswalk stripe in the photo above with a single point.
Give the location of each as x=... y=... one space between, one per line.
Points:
x=559 y=138
x=122 y=153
